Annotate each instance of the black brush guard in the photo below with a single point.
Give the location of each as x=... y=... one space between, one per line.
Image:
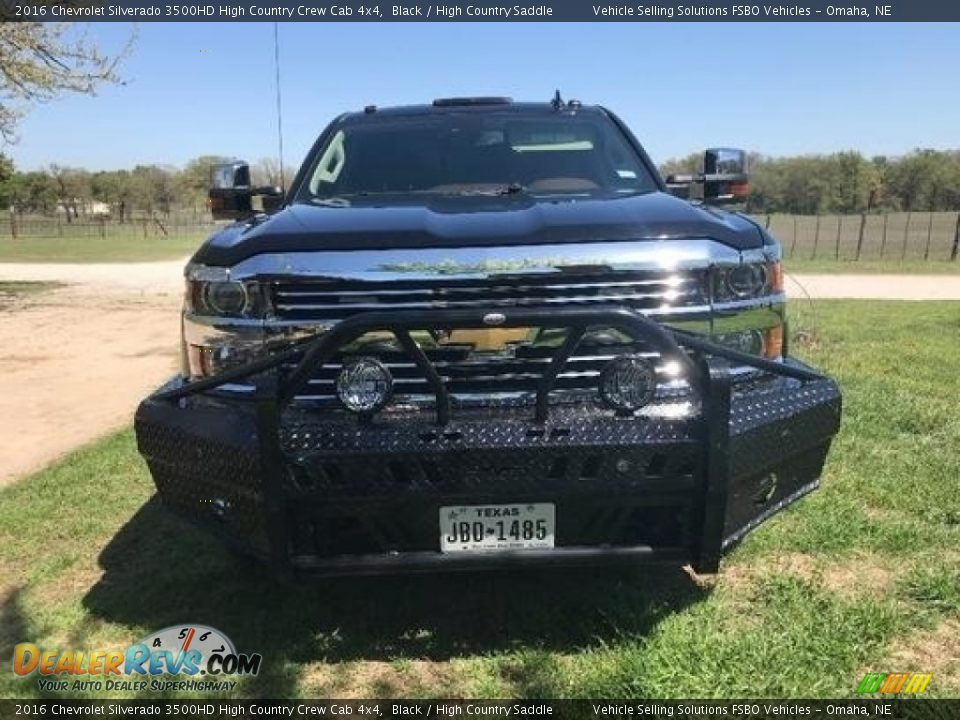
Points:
x=315 y=491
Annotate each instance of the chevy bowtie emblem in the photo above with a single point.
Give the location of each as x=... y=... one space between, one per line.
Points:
x=494 y=319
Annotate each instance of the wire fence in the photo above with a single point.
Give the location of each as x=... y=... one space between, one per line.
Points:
x=20 y=227
x=931 y=236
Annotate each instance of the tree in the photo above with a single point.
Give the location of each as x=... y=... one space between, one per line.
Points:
x=266 y=171
x=34 y=192
x=39 y=61
x=193 y=181
x=687 y=165
x=6 y=181
x=152 y=188
x=74 y=190
x=926 y=180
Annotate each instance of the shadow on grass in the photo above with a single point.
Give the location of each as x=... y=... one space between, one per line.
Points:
x=159 y=571
x=13 y=624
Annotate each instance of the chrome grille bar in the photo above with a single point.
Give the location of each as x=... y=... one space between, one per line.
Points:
x=330 y=299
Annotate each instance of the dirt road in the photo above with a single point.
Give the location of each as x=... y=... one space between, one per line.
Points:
x=876 y=287
x=75 y=361
x=151 y=279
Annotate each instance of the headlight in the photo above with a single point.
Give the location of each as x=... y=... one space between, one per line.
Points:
x=364 y=385
x=227 y=298
x=741 y=282
x=224 y=298
x=628 y=383
x=746 y=281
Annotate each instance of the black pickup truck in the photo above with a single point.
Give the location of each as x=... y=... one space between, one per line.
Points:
x=483 y=333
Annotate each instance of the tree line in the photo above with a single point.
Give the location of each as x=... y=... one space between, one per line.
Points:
x=839 y=183
x=846 y=182
x=145 y=190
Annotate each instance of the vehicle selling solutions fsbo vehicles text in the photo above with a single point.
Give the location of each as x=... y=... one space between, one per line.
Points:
x=735 y=11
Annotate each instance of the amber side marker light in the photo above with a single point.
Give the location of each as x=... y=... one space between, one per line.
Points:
x=773 y=337
x=773 y=342
x=775 y=276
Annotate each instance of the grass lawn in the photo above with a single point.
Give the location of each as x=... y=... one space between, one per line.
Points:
x=132 y=247
x=800 y=266
x=863 y=575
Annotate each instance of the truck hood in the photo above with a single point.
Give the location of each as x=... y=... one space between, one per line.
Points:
x=379 y=223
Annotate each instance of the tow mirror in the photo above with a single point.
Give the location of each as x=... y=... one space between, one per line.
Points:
x=723 y=180
x=231 y=196
x=230 y=193
x=725 y=176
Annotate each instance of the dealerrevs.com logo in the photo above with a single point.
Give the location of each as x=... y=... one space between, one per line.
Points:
x=180 y=657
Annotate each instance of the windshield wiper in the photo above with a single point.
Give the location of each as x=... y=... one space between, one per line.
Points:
x=511 y=189
x=333 y=201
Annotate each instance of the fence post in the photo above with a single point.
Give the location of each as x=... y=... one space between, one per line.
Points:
x=883 y=242
x=13 y=224
x=767 y=224
x=816 y=240
x=926 y=249
x=144 y=227
x=863 y=222
x=906 y=231
x=956 y=240
x=103 y=227
x=836 y=245
x=793 y=244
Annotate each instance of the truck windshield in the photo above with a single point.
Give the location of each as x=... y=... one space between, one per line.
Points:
x=478 y=153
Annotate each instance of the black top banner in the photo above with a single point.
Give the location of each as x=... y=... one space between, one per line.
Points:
x=480 y=11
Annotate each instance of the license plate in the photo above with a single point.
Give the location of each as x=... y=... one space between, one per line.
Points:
x=482 y=528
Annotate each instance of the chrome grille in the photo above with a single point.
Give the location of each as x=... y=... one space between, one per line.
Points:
x=472 y=374
x=328 y=299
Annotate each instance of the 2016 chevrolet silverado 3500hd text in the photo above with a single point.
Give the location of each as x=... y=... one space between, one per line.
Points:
x=482 y=333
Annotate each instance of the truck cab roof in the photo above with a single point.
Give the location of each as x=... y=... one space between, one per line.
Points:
x=468 y=104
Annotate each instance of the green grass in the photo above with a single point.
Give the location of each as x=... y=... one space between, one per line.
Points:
x=862 y=569
x=800 y=266
x=131 y=247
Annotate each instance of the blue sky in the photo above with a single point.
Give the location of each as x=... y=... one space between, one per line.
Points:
x=202 y=88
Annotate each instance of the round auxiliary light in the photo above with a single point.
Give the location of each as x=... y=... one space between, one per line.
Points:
x=745 y=281
x=227 y=298
x=628 y=383
x=364 y=385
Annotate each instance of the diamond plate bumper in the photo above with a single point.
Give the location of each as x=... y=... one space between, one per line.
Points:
x=330 y=493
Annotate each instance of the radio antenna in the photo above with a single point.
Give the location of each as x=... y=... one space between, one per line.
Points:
x=276 y=63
